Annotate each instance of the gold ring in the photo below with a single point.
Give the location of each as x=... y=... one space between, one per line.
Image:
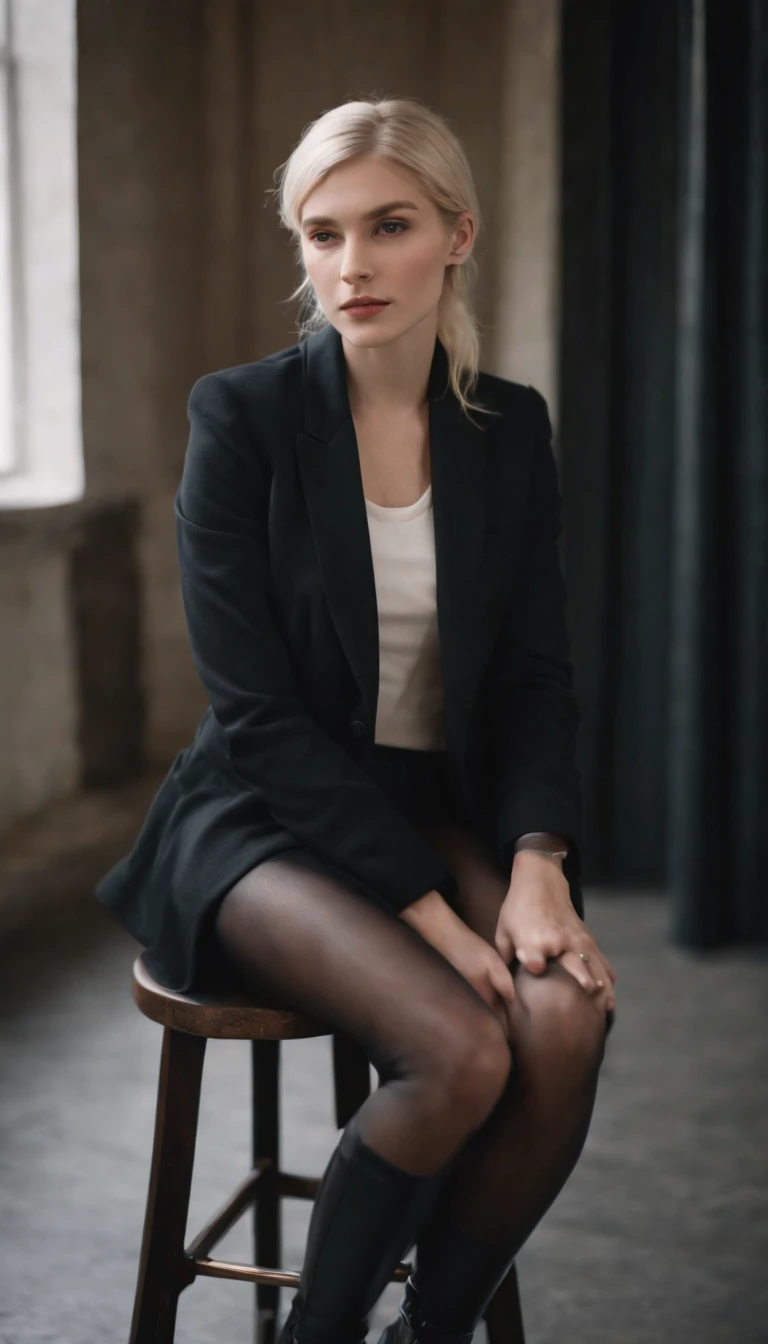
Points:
x=584 y=956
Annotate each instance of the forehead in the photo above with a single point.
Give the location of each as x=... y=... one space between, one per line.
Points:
x=354 y=188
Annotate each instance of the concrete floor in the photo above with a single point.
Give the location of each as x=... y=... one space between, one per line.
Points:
x=660 y=1235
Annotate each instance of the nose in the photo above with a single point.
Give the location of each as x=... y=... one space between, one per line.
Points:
x=355 y=265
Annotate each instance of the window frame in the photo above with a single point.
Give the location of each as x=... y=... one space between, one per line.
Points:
x=41 y=418
x=9 y=455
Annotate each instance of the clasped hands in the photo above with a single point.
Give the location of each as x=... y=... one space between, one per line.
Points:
x=537 y=923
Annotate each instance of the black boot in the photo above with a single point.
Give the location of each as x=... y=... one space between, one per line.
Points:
x=366 y=1214
x=289 y=1324
x=411 y=1328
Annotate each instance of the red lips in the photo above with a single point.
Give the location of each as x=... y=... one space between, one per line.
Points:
x=362 y=300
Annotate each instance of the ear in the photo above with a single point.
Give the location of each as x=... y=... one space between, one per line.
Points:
x=463 y=239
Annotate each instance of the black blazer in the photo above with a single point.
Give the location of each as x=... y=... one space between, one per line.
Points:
x=278 y=588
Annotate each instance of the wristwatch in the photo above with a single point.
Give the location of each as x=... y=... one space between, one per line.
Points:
x=543 y=842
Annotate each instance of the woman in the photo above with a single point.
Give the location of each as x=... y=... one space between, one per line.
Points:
x=378 y=820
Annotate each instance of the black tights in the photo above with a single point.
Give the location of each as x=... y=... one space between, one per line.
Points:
x=469 y=1136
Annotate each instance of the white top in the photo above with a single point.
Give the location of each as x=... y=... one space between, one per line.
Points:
x=410 y=705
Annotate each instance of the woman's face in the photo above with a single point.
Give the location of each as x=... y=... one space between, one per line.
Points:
x=368 y=230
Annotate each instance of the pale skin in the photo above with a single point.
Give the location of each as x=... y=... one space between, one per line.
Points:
x=357 y=242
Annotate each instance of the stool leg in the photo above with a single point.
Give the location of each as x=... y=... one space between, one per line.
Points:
x=503 y=1315
x=267 y=1212
x=163 y=1270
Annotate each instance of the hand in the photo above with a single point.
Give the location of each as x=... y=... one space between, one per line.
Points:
x=474 y=958
x=537 y=923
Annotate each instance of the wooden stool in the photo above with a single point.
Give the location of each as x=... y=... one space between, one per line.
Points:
x=167 y=1266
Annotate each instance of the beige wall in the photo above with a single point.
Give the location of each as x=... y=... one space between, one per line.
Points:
x=186 y=108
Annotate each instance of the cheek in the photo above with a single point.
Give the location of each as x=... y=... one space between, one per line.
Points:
x=423 y=270
x=316 y=270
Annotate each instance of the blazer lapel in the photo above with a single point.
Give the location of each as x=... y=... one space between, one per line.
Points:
x=329 y=463
x=459 y=492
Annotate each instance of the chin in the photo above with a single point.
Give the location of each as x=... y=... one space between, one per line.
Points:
x=365 y=339
x=368 y=340
x=369 y=336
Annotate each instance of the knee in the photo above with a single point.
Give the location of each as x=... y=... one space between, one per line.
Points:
x=471 y=1068
x=565 y=1020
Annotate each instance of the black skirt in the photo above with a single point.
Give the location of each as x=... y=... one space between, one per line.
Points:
x=417 y=782
x=198 y=840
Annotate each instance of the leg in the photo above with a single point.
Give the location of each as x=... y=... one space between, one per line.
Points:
x=302 y=938
x=513 y=1167
x=163 y=1272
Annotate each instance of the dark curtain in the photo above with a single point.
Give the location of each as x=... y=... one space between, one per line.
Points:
x=663 y=446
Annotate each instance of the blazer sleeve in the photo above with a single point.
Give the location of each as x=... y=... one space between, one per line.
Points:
x=535 y=713
x=309 y=782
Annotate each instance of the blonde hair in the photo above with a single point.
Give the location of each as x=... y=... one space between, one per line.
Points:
x=408 y=133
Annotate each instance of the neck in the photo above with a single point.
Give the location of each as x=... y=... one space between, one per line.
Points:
x=392 y=377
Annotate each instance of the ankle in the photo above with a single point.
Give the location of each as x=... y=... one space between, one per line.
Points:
x=311 y=1329
x=425 y=1332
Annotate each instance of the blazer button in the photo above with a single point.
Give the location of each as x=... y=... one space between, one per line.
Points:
x=358 y=728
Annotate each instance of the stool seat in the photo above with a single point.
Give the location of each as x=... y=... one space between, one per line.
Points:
x=219 y=1016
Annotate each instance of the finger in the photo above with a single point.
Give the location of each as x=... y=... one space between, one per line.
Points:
x=496 y=1001
x=532 y=959
x=610 y=997
x=596 y=982
x=596 y=968
x=490 y=997
x=606 y=965
x=500 y=977
x=504 y=946
x=594 y=951
x=580 y=970
x=604 y=980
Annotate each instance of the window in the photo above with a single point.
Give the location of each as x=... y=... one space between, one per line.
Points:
x=7 y=437
x=41 y=459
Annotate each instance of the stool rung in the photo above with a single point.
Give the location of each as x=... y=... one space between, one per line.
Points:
x=289 y=1186
x=225 y=1269
x=235 y=1207
x=279 y=1278
x=285 y=1184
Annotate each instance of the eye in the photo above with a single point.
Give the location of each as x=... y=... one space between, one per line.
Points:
x=395 y=225
x=398 y=223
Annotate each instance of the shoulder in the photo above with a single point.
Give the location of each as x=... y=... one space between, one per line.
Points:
x=263 y=383
x=516 y=401
x=235 y=414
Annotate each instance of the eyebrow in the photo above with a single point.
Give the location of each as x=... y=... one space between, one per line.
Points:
x=370 y=214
